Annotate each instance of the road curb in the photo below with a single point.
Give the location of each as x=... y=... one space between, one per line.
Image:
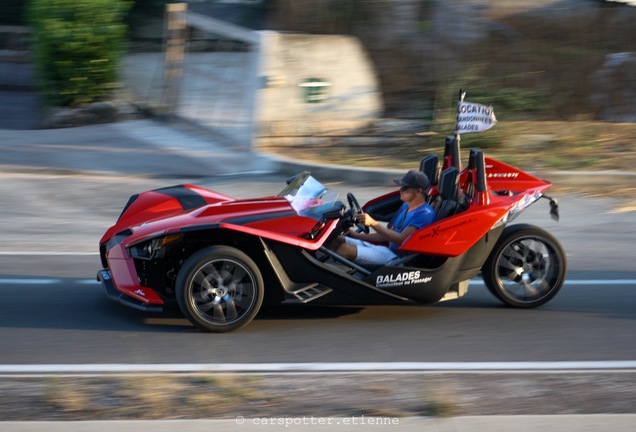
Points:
x=357 y=367
x=524 y=423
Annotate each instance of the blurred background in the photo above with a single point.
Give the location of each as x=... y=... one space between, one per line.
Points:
x=547 y=61
x=355 y=82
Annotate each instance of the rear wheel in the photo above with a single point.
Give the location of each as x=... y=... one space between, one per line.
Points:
x=219 y=289
x=526 y=268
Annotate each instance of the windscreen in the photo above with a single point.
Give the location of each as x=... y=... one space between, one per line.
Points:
x=309 y=197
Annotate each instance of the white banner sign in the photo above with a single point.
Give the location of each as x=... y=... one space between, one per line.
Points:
x=473 y=117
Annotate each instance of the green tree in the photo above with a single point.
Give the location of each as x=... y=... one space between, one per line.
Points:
x=78 y=45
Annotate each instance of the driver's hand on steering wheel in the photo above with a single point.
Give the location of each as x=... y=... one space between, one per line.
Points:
x=366 y=219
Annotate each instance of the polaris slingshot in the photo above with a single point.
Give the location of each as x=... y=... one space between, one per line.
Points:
x=222 y=258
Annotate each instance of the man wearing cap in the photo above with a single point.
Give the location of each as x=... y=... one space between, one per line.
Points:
x=381 y=246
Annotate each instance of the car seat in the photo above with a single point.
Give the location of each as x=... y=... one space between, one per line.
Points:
x=474 y=184
x=448 y=199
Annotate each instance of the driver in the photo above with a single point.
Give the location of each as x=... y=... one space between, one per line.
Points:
x=381 y=246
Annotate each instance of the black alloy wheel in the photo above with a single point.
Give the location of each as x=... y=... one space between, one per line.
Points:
x=219 y=289
x=526 y=268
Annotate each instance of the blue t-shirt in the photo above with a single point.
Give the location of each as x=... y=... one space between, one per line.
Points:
x=418 y=218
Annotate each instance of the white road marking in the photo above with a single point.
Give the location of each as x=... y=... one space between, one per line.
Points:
x=46 y=253
x=578 y=282
x=29 y=281
x=366 y=367
x=601 y=282
x=46 y=281
x=473 y=282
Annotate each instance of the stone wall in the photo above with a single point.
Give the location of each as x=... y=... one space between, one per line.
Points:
x=424 y=51
x=312 y=84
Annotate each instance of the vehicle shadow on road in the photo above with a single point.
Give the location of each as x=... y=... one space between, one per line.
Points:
x=305 y=312
x=76 y=304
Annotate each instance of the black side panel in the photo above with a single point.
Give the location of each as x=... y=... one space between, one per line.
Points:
x=188 y=199
x=300 y=267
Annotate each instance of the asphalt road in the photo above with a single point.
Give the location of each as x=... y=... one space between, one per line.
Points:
x=70 y=321
x=54 y=312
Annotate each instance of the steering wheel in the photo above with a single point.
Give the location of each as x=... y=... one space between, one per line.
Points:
x=356 y=209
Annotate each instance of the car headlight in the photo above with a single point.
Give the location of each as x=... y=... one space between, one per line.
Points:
x=150 y=248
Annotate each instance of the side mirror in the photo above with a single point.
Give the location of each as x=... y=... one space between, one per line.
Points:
x=554 y=209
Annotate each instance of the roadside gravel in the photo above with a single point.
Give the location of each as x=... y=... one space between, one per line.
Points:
x=223 y=396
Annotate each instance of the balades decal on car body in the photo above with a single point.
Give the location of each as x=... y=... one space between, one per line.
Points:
x=399 y=278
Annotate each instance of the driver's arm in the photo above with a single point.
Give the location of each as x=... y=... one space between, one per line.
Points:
x=384 y=233
x=371 y=237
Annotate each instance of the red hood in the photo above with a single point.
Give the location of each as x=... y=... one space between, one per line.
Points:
x=184 y=205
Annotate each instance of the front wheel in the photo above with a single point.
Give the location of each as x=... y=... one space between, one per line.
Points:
x=219 y=289
x=526 y=268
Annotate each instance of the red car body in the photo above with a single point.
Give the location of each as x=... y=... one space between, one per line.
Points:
x=222 y=257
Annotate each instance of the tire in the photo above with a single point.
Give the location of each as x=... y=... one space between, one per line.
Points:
x=526 y=268
x=219 y=289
